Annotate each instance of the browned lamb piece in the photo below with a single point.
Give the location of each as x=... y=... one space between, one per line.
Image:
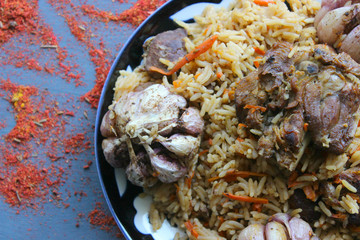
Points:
x=168 y=45
x=313 y=96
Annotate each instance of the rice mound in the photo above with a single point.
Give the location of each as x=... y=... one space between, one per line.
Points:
x=244 y=29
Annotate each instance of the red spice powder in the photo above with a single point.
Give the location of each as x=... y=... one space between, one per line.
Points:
x=35 y=116
x=101 y=59
x=2 y=124
x=97 y=217
x=34 y=153
x=24 y=183
x=134 y=16
x=77 y=143
x=140 y=11
x=19 y=17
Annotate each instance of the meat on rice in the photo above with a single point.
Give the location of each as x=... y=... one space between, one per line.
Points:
x=258 y=112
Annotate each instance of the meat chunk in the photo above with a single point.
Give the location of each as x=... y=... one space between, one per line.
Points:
x=273 y=73
x=331 y=102
x=249 y=93
x=352 y=175
x=153 y=134
x=299 y=200
x=312 y=97
x=327 y=192
x=167 y=45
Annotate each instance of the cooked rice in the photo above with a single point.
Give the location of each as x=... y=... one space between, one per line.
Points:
x=241 y=27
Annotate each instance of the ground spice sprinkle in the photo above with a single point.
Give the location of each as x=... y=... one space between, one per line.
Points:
x=43 y=139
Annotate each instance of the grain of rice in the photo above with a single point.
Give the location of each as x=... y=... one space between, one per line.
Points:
x=230 y=224
x=295 y=212
x=324 y=209
x=338 y=191
x=272 y=207
x=350 y=187
x=355 y=157
x=349 y=204
x=306 y=178
x=256 y=132
x=241 y=27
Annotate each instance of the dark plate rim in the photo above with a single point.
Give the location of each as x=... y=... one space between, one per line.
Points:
x=130 y=55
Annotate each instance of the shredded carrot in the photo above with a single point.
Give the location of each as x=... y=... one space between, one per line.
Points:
x=190 y=227
x=189 y=179
x=221 y=220
x=309 y=192
x=306 y=125
x=197 y=75
x=239 y=139
x=202 y=48
x=337 y=180
x=232 y=175
x=206 y=30
x=259 y=51
x=339 y=215
x=246 y=198
x=210 y=142
x=203 y=152
x=177 y=187
x=254 y=108
x=263 y=3
x=257 y=61
x=241 y=125
x=177 y=83
x=292 y=179
x=219 y=74
x=257 y=207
